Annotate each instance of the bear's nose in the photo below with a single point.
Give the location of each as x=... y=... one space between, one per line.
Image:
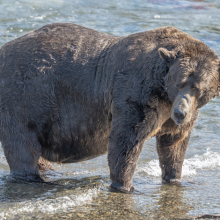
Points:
x=179 y=114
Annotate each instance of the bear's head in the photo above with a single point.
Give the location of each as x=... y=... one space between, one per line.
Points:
x=192 y=79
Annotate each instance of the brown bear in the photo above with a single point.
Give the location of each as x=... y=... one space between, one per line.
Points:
x=69 y=93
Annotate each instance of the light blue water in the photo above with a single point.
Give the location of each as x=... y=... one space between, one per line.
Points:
x=82 y=189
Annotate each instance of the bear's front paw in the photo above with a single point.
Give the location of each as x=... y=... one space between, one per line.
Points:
x=121 y=188
x=172 y=181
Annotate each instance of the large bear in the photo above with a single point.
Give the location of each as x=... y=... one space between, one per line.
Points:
x=69 y=93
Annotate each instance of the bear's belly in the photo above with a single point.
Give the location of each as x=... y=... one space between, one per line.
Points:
x=86 y=153
x=73 y=152
x=72 y=146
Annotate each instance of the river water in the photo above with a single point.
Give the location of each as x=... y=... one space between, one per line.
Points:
x=81 y=190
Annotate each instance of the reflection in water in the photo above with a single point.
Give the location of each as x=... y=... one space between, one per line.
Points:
x=110 y=205
x=40 y=199
x=172 y=203
x=92 y=197
x=169 y=200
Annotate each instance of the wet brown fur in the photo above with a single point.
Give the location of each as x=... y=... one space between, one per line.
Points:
x=69 y=93
x=44 y=165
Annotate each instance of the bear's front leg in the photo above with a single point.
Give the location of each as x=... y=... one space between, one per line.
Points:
x=171 y=156
x=126 y=141
x=123 y=153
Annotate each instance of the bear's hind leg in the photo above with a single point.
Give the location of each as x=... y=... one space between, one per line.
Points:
x=22 y=151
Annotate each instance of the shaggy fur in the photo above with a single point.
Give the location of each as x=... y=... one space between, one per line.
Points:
x=69 y=93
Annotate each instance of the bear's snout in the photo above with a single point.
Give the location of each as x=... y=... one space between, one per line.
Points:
x=179 y=114
x=183 y=106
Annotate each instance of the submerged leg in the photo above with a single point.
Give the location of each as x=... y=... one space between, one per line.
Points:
x=125 y=146
x=171 y=156
x=22 y=151
x=123 y=153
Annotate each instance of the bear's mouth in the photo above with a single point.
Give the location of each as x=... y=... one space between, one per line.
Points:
x=178 y=122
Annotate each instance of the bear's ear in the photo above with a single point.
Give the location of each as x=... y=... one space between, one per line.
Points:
x=166 y=55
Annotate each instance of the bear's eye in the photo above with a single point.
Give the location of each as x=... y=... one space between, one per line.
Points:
x=195 y=89
x=179 y=86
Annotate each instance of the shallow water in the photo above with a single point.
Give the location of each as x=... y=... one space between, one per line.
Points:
x=82 y=190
